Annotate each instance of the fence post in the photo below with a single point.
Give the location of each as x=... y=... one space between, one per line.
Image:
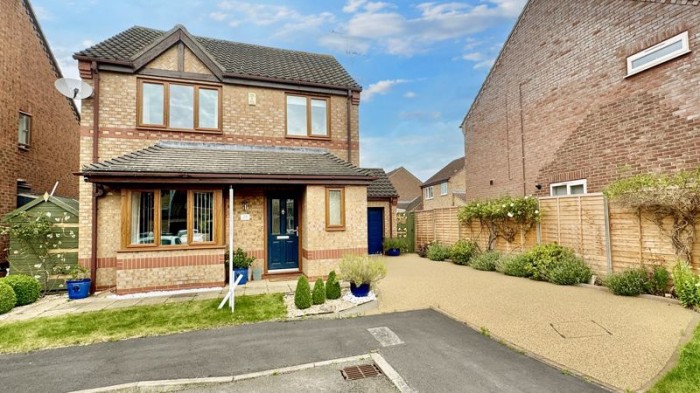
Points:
x=539 y=222
x=608 y=245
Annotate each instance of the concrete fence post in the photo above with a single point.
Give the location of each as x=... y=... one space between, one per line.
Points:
x=608 y=246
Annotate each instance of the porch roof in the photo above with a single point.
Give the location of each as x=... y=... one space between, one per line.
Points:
x=381 y=187
x=187 y=162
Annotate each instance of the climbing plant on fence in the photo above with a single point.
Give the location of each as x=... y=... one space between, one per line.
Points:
x=672 y=202
x=503 y=217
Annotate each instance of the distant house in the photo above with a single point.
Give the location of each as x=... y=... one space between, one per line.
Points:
x=38 y=126
x=181 y=122
x=446 y=187
x=408 y=187
x=584 y=93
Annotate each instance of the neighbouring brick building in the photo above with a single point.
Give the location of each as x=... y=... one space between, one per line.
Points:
x=39 y=127
x=585 y=92
x=182 y=120
x=408 y=187
x=446 y=187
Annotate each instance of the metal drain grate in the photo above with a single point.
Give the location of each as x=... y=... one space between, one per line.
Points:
x=359 y=372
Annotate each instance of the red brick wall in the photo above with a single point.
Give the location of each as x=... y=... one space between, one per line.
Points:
x=559 y=95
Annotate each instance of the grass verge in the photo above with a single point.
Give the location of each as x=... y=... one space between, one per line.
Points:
x=685 y=377
x=138 y=321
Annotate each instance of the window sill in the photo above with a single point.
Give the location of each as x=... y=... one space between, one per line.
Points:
x=335 y=229
x=163 y=129
x=319 y=138
x=23 y=147
x=170 y=248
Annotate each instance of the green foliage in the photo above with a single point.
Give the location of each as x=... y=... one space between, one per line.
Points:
x=547 y=262
x=241 y=260
x=686 y=284
x=395 y=242
x=685 y=376
x=544 y=257
x=631 y=282
x=463 y=251
x=302 y=295
x=658 y=280
x=517 y=265
x=362 y=269
x=486 y=261
x=27 y=288
x=502 y=217
x=438 y=252
x=569 y=271
x=8 y=299
x=332 y=286
x=318 y=295
x=78 y=272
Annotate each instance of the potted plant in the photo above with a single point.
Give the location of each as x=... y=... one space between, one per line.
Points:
x=362 y=272
x=241 y=263
x=393 y=246
x=78 y=285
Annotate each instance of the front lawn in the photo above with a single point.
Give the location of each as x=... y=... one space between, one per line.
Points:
x=685 y=377
x=138 y=321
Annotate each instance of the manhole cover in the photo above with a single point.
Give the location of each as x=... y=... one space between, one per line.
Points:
x=359 y=372
x=579 y=329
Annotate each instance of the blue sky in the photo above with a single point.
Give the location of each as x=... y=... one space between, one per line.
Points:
x=420 y=63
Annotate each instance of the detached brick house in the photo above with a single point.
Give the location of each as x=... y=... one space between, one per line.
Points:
x=178 y=121
x=586 y=92
x=446 y=187
x=39 y=127
x=407 y=185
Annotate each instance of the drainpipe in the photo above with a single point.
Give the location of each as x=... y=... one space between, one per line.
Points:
x=348 y=126
x=96 y=192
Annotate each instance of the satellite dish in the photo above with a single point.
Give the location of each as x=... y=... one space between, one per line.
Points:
x=73 y=88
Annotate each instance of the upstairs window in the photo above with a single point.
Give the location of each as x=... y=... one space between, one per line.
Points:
x=179 y=106
x=659 y=53
x=307 y=116
x=428 y=192
x=576 y=187
x=24 y=129
x=443 y=188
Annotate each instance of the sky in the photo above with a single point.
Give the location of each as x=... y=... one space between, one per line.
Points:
x=420 y=63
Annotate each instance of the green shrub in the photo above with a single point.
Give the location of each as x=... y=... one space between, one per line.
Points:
x=395 y=242
x=8 y=299
x=318 y=296
x=658 y=280
x=631 y=282
x=545 y=257
x=438 y=252
x=486 y=261
x=463 y=251
x=517 y=265
x=686 y=284
x=569 y=271
x=27 y=288
x=302 y=296
x=362 y=269
x=332 y=286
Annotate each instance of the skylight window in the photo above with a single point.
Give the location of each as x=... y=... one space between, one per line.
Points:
x=659 y=53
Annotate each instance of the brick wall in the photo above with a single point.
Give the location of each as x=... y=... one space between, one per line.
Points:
x=455 y=183
x=572 y=106
x=405 y=183
x=390 y=218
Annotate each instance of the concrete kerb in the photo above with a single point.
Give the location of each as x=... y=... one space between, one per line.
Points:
x=164 y=384
x=527 y=353
x=644 y=295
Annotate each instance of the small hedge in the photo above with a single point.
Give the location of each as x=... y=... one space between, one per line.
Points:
x=27 y=288
x=463 y=251
x=486 y=261
x=631 y=282
x=332 y=286
x=547 y=262
x=319 y=293
x=8 y=299
x=516 y=265
x=569 y=271
x=438 y=252
x=302 y=295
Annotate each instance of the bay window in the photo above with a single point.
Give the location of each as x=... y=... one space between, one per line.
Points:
x=179 y=106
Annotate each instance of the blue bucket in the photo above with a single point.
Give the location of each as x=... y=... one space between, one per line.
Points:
x=393 y=252
x=241 y=272
x=361 y=291
x=78 y=289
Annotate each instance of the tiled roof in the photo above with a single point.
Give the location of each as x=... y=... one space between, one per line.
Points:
x=381 y=187
x=235 y=58
x=214 y=158
x=446 y=173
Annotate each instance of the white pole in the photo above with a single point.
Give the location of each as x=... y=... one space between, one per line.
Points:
x=232 y=282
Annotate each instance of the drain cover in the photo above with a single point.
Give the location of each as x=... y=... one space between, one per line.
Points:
x=359 y=372
x=580 y=329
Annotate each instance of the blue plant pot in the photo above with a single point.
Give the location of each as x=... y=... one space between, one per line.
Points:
x=241 y=272
x=393 y=252
x=361 y=291
x=78 y=289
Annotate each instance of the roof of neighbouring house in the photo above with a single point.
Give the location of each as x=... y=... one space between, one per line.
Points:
x=445 y=173
x=190 y=159
x=406 y=183
x=232 y=57
x=381 y=187
x=411 y=205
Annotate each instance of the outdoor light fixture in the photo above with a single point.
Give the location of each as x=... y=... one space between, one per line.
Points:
x=538 y=186
x=245 y=206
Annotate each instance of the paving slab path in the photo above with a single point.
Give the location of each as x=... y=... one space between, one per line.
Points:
x=621 y=341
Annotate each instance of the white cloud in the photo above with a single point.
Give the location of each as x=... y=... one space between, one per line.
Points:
x=484 y=64
x=259 y=14
x=306 y=23
x=353 y=5
x=410 y=94
x=218 y=16
x=42 y=13
x=380 y=88
x=474 y=56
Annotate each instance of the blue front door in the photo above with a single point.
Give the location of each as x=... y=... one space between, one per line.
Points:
x=375 y=230
x=282 y=233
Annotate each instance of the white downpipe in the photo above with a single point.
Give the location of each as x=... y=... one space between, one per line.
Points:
x=232 y=281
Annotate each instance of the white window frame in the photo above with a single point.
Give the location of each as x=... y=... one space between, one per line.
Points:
x=28 y=131
x=568 y=185
x=685 y=48
x=429 y=192
x=443 y=188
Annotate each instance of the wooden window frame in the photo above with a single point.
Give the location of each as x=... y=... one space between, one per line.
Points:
x=25 y=146
x=340 y=227
x=308 y=98
x=127 y=215
x=166 y=105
